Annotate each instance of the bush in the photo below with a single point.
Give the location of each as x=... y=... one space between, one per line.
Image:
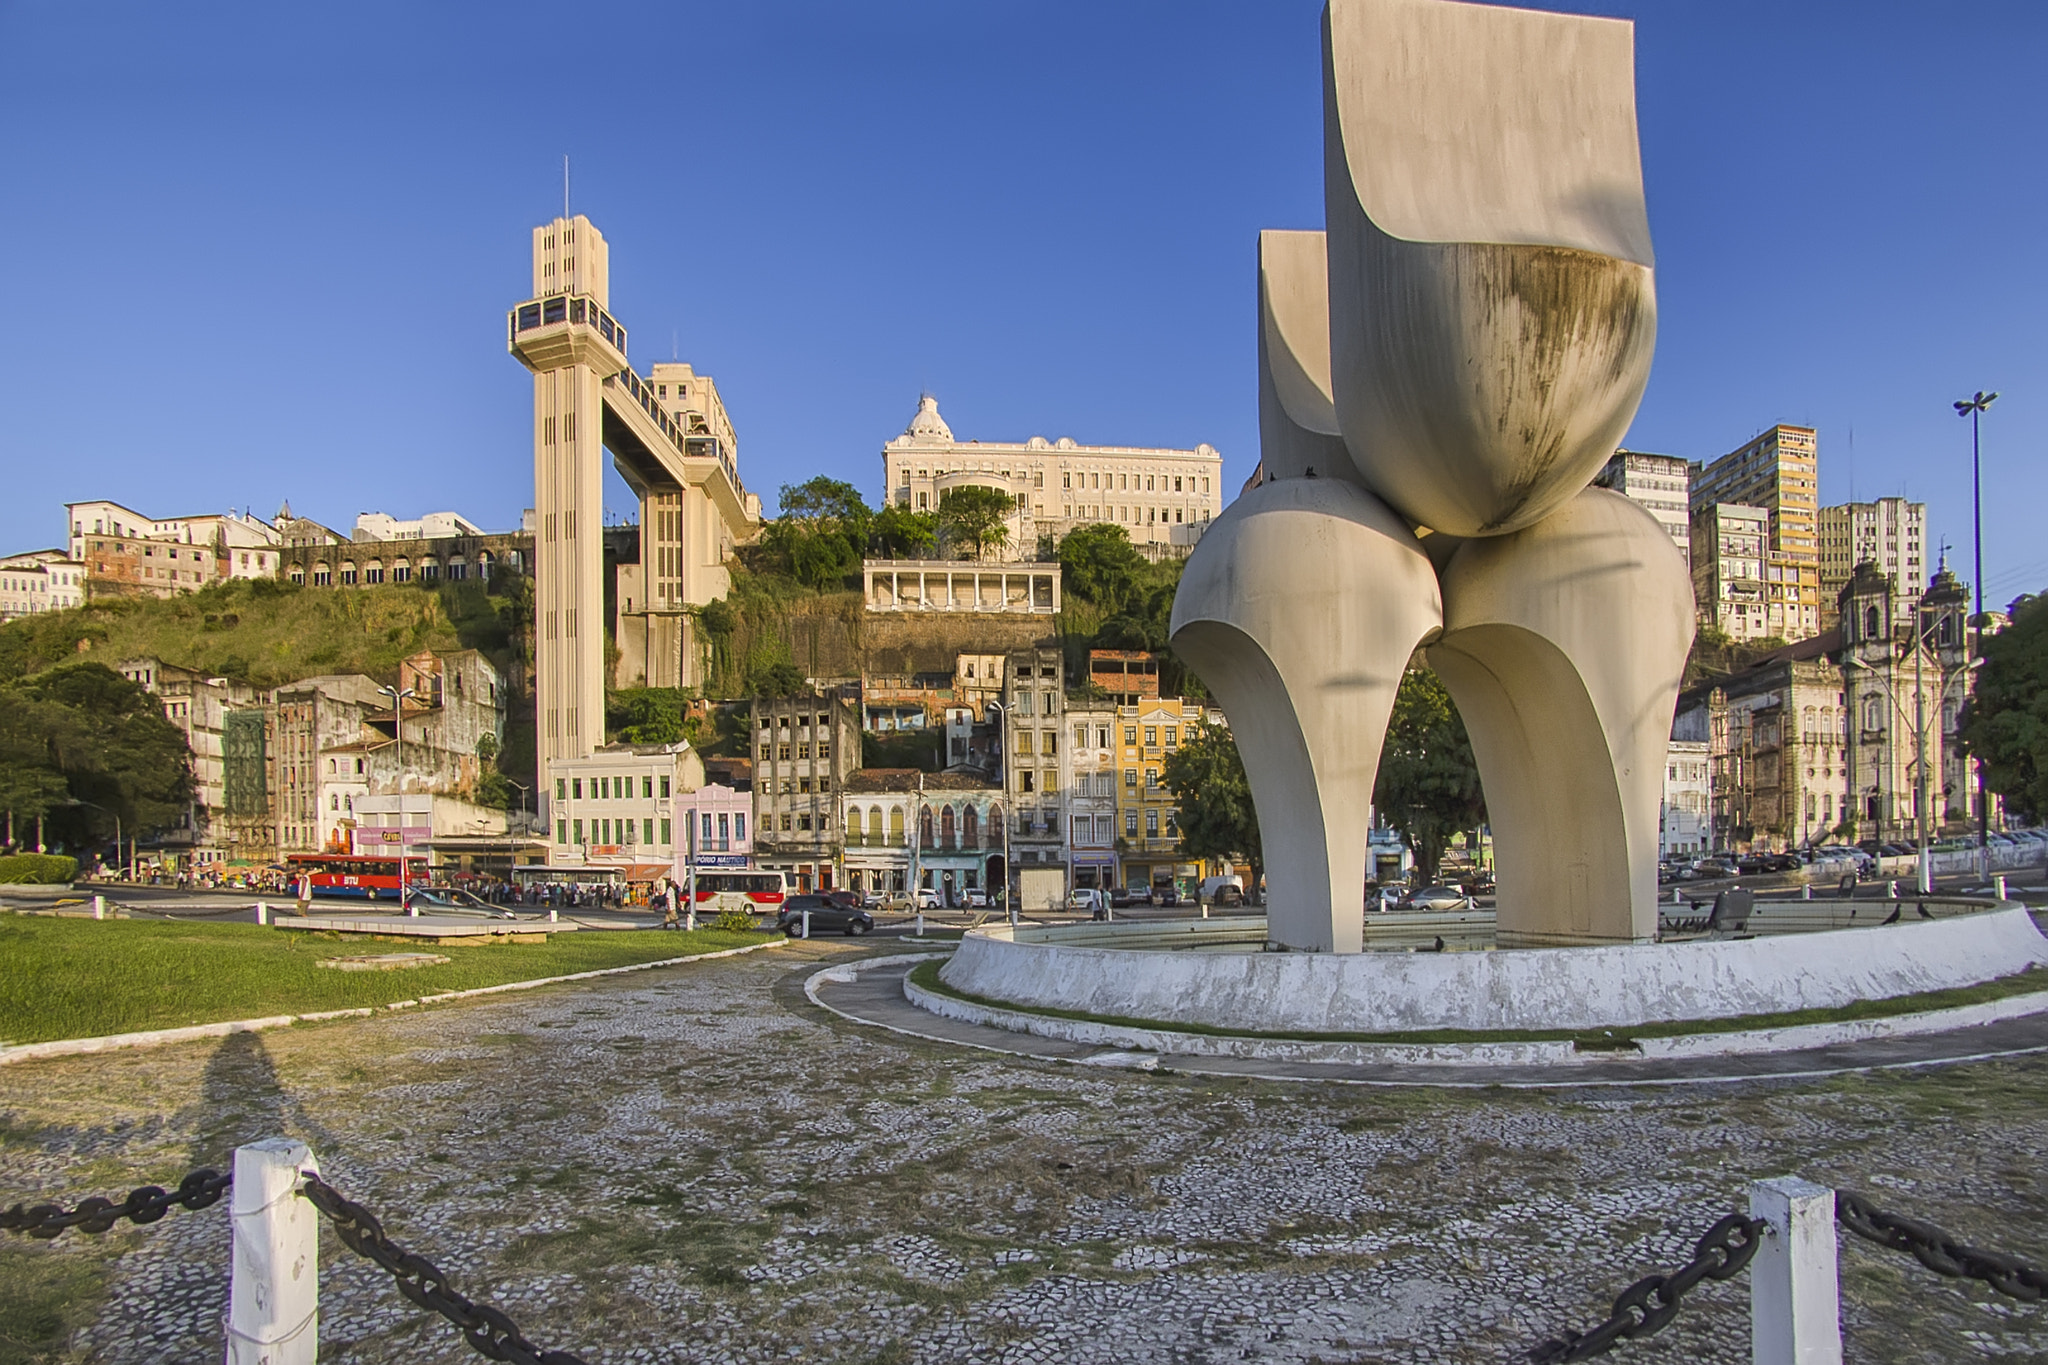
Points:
x=734 y=922
x=37 y=869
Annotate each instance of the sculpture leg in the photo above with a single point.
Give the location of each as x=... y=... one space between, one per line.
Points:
x=1563 y=646
x=1299 y=609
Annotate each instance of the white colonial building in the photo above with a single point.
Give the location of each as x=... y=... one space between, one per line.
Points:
x=1164 y=498
x=40 y=581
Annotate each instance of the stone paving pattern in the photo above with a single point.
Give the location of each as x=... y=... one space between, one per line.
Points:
x=698 y=1165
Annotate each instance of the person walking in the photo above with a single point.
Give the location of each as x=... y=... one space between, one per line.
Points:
x=669 y=919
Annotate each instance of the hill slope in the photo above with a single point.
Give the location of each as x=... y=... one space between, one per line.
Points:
x=266 y=632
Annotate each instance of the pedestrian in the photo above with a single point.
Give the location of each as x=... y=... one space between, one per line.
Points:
x=668 y=902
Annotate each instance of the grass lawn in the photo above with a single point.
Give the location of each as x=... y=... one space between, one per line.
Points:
x=81 y=978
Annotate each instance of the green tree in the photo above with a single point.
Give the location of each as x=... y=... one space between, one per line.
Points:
x=1099 y=564
x=2005 y=722
x=645 y=715
x=974 y=518
x=1428 y=783
x=85 y=744
x=1217 y=818
x=899 y=533
x=822 y=532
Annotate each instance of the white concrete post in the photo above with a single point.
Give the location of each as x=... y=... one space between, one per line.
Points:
x=1891 y=889
x=262 y=912
x=807 y=923
x=1677 y=896
x=920 y=924
x=1794 y=1284
x=274 y=1287
x=1998 y=886
x=99 y=906
x=1806 y=892
x=1204 y=904
x=553 y=916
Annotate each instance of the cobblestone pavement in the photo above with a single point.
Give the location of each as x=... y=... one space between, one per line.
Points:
x=697 y=1165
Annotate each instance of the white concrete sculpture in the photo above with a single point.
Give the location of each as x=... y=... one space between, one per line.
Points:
x=1474 y=334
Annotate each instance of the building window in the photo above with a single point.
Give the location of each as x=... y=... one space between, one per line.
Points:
x=647 y=830
x=578 y=827
x=1151 y=824
x=1131 y=779
x=1131 y=824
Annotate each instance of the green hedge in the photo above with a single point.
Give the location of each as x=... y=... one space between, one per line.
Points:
x=39 y=868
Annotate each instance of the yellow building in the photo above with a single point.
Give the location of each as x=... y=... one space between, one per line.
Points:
x=1148 y=818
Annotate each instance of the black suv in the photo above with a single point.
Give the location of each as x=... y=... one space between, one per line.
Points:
x=828 y=915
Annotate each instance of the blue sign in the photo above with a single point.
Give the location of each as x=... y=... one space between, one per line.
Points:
x=721 y=860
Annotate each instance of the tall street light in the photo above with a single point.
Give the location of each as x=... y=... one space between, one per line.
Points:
x=1008 y=810
x=398 y=756
x=1973 y=408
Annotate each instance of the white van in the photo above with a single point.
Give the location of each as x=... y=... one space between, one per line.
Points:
x=1213 y=892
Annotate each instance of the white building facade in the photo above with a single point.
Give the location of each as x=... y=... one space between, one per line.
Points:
x=1682 y=817
x=40 y=581
x=1162 y=497
x=1890 y=533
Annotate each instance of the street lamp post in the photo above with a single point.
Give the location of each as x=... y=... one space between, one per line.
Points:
x=398 y=756
x=1008 y=812
x=1973 y=408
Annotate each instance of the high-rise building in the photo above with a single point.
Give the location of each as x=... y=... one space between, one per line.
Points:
x=1662 y=483
x=1890 y=533
x=1730 y=544
x=1778 y=472
x=1163 y=498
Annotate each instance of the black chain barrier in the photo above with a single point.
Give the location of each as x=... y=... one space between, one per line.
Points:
x=1648 y=1306
x=146 y=1205
x=1938 y=1251
x=487 y=1329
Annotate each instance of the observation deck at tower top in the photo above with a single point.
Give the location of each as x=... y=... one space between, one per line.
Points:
x=649 y=447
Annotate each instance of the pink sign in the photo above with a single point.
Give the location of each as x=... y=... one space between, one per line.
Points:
x=373 y=841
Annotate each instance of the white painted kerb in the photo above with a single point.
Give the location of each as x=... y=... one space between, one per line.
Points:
x=1529 y=988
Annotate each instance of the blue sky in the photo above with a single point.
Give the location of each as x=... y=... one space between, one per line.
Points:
x=264 y=252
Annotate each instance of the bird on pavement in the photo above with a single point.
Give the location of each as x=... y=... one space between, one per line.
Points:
x=1893 y=917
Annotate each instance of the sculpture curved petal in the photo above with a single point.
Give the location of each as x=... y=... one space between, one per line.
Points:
x=1492 y=300
x=1299 y=608
x=1563 y=646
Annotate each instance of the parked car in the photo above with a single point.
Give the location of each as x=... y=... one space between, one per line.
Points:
x=845 y=900
x=1436 y=898
x=1122 y=898
x=1216 y=889
x=1714 y=867
x=1166 y=895
x=827 y=916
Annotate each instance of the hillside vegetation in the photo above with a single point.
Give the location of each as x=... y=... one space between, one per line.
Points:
x=266 y=632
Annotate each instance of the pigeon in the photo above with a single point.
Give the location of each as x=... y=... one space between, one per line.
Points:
x=1439 y=944
x=1893 y=917
x=1309 y=472
x=1925 y=913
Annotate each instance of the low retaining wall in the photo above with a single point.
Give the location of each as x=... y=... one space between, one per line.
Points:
x=1528 y=988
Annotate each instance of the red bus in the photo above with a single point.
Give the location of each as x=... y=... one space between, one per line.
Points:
x=357 y=877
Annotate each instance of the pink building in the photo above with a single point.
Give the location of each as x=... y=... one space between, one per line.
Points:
x=721 y=819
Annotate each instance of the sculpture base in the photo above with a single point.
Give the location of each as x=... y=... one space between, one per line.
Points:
x=1114 y=972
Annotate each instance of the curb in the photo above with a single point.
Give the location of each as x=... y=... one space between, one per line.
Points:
x=67 y=1047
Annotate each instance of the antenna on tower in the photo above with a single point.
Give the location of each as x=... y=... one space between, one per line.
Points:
x=675 y=345
x=565 y=185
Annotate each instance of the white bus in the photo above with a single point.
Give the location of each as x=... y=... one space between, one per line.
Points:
x=750 y=893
